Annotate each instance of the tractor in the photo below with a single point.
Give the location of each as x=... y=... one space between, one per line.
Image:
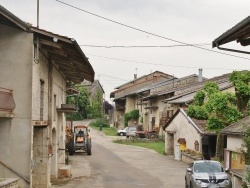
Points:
x=79 y=139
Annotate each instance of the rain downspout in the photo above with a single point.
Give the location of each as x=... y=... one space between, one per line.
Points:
x=37 y=38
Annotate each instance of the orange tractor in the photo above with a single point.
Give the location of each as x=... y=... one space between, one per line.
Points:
x=78 y=139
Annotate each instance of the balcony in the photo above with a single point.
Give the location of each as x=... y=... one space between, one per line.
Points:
x=67 y=108
x=7 y=103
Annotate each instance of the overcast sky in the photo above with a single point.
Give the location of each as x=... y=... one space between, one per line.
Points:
x=149 y=23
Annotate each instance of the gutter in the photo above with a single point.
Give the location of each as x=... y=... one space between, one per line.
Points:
x=231 y=50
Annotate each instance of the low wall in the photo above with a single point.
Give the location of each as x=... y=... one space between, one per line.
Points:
x=9 y=183
x=187 y=158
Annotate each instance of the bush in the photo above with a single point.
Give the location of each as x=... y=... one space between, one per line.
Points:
x=99 y=122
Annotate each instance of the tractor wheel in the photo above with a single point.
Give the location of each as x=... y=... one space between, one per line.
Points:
x=88 y=147
x=71 y=148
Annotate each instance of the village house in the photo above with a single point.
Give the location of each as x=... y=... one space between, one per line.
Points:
x=154 y=111
x=233 y=157
x=183 y=133
x=126 y=99
x=189 y=132
x=36 y=66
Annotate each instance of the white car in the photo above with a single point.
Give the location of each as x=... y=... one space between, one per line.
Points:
x=122 y=132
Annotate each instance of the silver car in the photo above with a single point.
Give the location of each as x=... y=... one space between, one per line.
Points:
x=208 y=174
x=130 y=131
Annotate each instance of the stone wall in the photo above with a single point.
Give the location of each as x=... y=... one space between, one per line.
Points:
x=187 y=158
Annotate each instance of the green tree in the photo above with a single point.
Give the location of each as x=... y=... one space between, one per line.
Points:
x=96 y=108
x=218 y=108
x=81 y=100
x=241 y=81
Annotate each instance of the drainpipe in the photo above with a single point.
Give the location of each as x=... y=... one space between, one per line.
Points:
x=50 y=100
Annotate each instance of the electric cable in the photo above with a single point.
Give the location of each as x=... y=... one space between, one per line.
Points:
x=147 y=32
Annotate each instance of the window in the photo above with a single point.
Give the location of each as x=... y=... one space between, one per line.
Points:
x=41 y=99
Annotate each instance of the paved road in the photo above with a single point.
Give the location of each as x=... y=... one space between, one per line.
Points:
x=119 y=166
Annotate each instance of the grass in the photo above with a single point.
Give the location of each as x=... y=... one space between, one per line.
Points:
x=158 y=146
x=109 y=131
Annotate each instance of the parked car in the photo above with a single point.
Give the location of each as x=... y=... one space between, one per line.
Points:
x=203 y=173
x=122 y=132
x=131 y=131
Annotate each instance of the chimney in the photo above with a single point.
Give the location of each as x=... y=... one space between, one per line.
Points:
x=200 y=75
x=135 y=76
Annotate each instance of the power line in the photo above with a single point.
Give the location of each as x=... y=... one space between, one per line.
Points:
x=149 y=33
x=112 y=77
x=148 y=46
x=141 y=62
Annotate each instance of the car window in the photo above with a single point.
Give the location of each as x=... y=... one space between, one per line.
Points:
x=207 y=167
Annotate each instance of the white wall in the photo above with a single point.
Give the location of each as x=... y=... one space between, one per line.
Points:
x=234 y=143
x=183 y=129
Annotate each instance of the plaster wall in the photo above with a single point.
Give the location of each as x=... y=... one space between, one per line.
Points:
x=130 y=104
x=16 y=61
x=234 y=143
x=183 y=129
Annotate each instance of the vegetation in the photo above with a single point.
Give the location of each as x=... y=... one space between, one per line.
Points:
x=241 y=80
x=88 y=106
x=131 y=115
x=158 y=146
x=107 y=107
x=246 y=152
x=219 y=109
x=103 y=124
x=81 y=100
x=95 y=107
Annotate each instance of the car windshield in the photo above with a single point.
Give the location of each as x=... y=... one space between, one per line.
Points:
x=205 y=167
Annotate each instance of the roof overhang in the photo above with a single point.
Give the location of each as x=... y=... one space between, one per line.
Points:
x=239 y=33
x=66 y=55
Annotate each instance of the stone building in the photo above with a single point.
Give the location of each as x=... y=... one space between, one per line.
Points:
x=36 y=65
x=126 y=97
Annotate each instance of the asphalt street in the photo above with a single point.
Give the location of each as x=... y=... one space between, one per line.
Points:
x=118 y=166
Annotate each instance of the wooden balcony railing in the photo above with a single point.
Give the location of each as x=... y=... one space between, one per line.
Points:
x=7 y=103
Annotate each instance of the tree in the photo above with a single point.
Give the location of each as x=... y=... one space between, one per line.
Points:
x=107 y=107
x=82 y=102
x=241 y=81
x=218 y=108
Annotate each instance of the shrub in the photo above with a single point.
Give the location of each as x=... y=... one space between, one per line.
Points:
x=99 y=122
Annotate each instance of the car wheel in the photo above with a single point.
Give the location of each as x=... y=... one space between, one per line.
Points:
x=121 y=134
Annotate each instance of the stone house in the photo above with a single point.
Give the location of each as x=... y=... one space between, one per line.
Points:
x=154 y=111
x=183 y=132
x=233 y=157
x=36 y=66
x=182 y=98
x=126 y=97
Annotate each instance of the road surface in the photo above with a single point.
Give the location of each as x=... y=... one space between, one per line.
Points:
x=120 y=166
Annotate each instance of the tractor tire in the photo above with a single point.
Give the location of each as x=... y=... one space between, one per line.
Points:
x=88 y=147
x=71 y=148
